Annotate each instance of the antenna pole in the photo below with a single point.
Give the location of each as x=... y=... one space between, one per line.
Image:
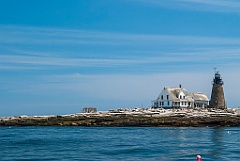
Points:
x=215 y=70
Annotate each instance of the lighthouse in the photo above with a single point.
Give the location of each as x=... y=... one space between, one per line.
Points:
x=217 y=97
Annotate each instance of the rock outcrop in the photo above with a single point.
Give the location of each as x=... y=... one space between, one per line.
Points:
x=138 y=117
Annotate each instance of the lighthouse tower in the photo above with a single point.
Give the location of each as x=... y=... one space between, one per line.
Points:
x=217 y=98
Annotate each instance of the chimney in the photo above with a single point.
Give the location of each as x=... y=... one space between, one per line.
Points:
x=180 y=85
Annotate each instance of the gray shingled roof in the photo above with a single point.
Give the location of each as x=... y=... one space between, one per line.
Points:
x=174 y=93
x=199 y=96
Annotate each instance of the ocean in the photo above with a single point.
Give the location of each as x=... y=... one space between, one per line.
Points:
x=119 y=143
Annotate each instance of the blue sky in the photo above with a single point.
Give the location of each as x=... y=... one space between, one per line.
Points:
x=59 y=56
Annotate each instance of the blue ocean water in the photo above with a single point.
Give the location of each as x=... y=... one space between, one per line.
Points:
x=119 y=143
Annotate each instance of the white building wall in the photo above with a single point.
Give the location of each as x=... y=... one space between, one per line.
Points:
x=164 y=99
x=184 y=103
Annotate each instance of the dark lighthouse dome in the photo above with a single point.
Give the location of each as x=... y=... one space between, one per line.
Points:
x=217 y=79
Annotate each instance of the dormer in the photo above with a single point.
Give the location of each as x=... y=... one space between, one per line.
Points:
x=181 y=95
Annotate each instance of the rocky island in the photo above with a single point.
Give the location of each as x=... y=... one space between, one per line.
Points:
x=135 y=117
x=173 y=107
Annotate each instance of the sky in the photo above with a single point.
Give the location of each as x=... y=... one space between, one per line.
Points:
x=59 y=56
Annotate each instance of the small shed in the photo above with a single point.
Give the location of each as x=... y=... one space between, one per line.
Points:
x=89 y=110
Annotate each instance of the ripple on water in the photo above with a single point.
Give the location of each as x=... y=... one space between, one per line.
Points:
x=113 y=143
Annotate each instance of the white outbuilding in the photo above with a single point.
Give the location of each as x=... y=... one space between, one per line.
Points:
x=180 y=98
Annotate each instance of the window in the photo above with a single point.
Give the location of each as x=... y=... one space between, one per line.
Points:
x=185 y=103
x=162 y=97
x=163 y=103
x=167 y=97
x=180 y=97
x=160 y=103
x=168 y=103
x=183 y=97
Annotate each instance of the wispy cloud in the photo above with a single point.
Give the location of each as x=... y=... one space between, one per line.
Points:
x=29 y=60
x=222 y=3
x=200 y=5
x=121 y=50
x=198 y=56
x=52 y=36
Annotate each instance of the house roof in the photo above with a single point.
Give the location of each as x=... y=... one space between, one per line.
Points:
x=174 y=94
x=197 y=96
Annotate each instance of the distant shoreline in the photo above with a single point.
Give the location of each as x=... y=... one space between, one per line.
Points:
x=136 y=117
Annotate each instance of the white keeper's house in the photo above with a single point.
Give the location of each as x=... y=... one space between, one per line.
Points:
x=180 y=98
